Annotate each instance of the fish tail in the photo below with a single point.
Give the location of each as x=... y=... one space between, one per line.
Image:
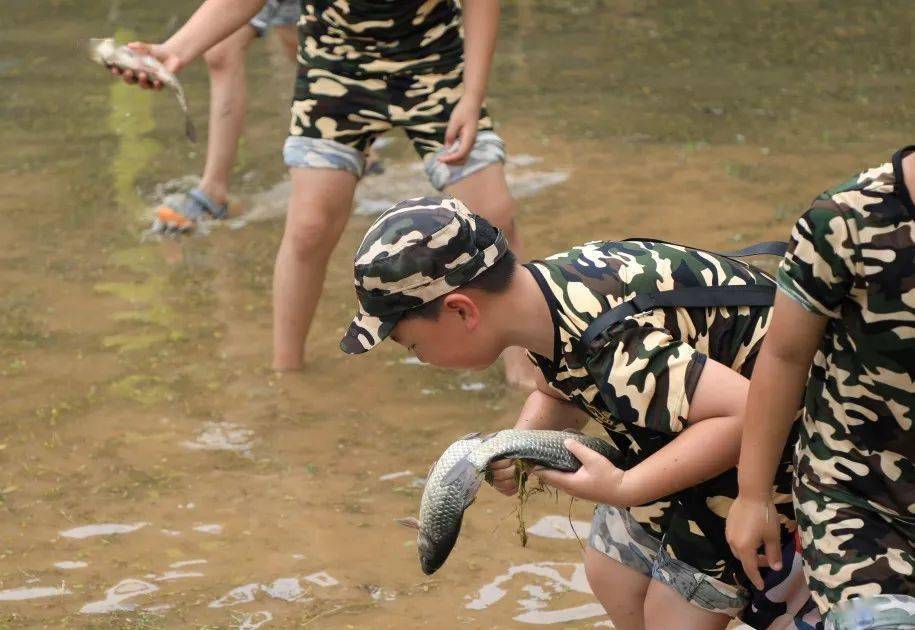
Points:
x=189 y=129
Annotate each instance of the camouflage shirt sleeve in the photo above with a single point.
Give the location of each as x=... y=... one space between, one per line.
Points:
x=646 y=377
x=817 y=270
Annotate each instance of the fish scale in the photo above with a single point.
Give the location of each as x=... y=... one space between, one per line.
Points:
x=455 y=478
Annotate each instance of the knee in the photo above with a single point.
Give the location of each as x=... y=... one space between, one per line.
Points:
x=501 y=213
x=312 y=238
x=222 y=58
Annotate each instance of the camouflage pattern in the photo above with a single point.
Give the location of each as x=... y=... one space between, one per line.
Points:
x=354 y=111
x=640 y=383
x=275 y=13
x=618 y=535
x=852 y=260
x=364 y=38
x=415 y=252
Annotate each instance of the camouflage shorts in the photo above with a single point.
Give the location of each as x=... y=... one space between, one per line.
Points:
x=617 y=533
x=336 y=118
x=860 y=562
x=275 y=13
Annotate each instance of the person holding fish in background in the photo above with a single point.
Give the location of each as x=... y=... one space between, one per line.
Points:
x=364 y=68
x=843 y=340
x=668 y=385
x=226 y=67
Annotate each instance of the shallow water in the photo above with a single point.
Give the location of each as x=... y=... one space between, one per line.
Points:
x=152 y=466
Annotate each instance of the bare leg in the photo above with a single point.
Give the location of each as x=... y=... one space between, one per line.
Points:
x=288 y=40
x=620 y=590
x=665 y=608
x=486 y=193
x=226 y=65
x=319 y=207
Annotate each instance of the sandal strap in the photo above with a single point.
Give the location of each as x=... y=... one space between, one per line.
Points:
x=198 y=203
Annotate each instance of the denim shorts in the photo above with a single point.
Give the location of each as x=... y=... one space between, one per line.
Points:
x=275 y=13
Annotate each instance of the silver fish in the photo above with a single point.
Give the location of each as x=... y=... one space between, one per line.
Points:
x=105 y=52
x=455 y=478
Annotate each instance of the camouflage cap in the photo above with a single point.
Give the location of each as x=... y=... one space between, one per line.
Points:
x=417 y=251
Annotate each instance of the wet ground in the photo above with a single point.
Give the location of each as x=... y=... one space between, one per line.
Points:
x=154 y=472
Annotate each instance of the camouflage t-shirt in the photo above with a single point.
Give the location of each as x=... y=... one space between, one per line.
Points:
x=378 y=37
x=642 y=381
x=852 y=259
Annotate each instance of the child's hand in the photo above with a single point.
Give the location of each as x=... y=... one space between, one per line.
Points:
x=751 y=523
x=503 y=476
x=597 y=480
x=168 y=59
x=462 y=128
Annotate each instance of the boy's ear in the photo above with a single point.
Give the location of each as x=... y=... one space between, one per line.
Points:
x=466 y=308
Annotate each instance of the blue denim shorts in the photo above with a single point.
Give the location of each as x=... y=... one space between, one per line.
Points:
x=275 y=13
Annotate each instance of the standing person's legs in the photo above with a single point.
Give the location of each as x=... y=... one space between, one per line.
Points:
x=319 y=207
x=288 y=37
x=486 y=193
x=226 y=65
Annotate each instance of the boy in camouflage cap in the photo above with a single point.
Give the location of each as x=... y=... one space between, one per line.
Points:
x=845 y=314
x=668 y=385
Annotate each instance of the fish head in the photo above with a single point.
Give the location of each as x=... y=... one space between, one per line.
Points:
x=433 y=553
x=101 y=49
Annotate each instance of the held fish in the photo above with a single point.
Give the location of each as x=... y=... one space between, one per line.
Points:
x=105 y=52
x=455 y=478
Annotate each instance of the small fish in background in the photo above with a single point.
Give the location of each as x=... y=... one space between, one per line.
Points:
x=105 y=52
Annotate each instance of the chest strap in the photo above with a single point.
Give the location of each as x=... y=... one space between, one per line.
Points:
x=687 y=297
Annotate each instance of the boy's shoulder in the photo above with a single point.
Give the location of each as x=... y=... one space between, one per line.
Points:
x=866 y=200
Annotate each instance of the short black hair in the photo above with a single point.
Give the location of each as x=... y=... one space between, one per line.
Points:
x=493 y=280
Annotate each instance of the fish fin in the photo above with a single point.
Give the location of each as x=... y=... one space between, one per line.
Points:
x=410 y=521
x=189 y=129
x=470 y=436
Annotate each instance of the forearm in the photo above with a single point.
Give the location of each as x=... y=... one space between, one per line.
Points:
x=542 y=411
x=702 y=451
x=481 y=28
x=211 y=23
x=775 y=395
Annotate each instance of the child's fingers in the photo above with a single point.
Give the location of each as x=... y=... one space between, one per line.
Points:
x=773 y=552
x=465 y=147
x=750 y=567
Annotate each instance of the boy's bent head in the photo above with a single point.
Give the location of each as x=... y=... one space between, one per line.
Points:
x=407 y=270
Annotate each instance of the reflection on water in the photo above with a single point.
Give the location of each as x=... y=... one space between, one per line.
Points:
x=141 y=431
x=117 y=595
x=103 y=529
x=34 y=592
x=536 y=586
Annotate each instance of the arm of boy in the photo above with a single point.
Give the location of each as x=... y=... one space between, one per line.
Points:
x=775 y=394
x=481 y=27
x=211 y=23
x=706 y=448
x=544 y=409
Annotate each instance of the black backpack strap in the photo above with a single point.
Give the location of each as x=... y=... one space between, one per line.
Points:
x=690 y=297
x=766 y=248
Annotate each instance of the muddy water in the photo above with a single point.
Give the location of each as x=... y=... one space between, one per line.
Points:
x=155 y=473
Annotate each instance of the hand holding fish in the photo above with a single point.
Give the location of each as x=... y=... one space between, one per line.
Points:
x=503 y=476
x=149 y=79
x=597 y=480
